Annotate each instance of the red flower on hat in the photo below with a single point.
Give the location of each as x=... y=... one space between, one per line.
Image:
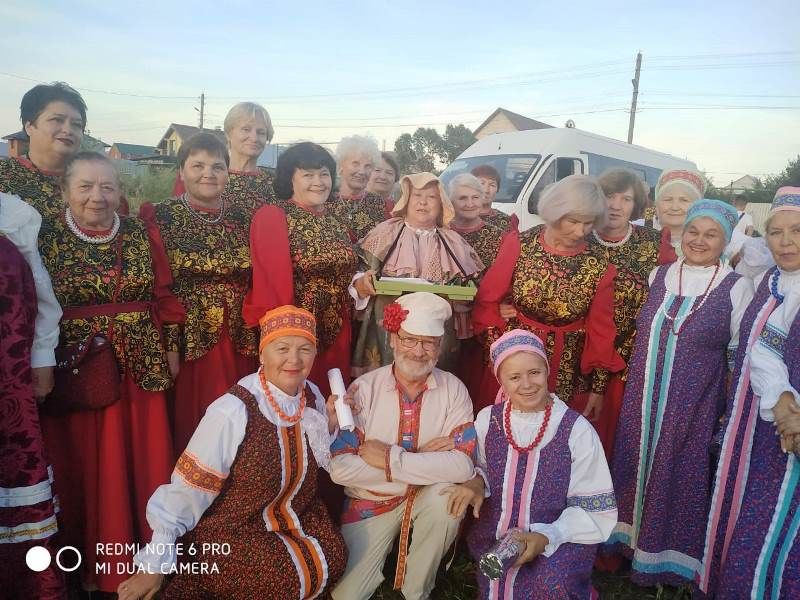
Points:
x=393 y=317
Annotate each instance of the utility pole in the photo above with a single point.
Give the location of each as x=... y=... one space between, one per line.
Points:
x=203 y=106
x=635 y=82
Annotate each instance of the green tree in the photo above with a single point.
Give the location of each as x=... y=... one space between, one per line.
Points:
x=457 y=138
x=153 y=185
x=427 y=150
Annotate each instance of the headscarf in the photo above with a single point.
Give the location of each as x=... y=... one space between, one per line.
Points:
x=419 y=181
x=786 y=198
x=722 y=212
x=287 y=320
x=511 y=342
x=692 y=180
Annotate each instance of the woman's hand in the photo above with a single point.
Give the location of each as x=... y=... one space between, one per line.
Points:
x=43 y=381
x=535 y=543
x=508 y=311
x=440 y=444
x=787 y=421
x=594 y=406
x=174 y=364
x=364 y=285
x=330 y=407
x=141 y=585
x=464 y=495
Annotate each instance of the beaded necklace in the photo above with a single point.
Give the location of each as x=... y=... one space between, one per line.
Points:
x=92 y=239
x=199 y=215
x=274 y=405
x=773 y=286
x=610 y=244
x=691 y=312
x=540 y=434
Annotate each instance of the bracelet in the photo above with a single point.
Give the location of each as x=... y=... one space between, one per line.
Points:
x=387 y=469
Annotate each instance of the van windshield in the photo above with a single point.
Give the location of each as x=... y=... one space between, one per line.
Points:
x=514 y=170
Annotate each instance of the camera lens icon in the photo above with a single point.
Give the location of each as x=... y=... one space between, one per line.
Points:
x=38 y=558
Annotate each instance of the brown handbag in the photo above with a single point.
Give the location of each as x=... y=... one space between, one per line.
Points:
x=87 y=375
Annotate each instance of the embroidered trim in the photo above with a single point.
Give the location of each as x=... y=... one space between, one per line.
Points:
x=773 y=339
x=594 y=503
x=517 y=340
x=387 y=467
x=197 y=475
x=465 y=439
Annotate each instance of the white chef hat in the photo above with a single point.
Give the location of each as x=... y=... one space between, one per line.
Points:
x=427 y=313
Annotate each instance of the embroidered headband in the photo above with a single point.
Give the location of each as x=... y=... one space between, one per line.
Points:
x=786 y=198
x=722 y=212
x=511 y=342
x=691 y=179
x=287 y=320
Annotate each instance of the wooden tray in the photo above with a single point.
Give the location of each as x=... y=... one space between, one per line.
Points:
x=398 y=288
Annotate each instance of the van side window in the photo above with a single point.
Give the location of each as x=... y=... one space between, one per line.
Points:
x=548 y=177
x=568 y=166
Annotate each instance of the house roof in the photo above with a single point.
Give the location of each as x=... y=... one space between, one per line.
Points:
x=135 y=149
x=521 y=122
x=187 y=131
x=19 y=135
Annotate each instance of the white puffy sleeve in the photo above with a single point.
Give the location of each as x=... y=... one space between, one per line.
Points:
x=20 y=223
x=591 y=512
x=769 y=375
x=741 y=295
x=481 y=429
x=198 y=478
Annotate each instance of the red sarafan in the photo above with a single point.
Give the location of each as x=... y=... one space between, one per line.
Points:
x=393 y=317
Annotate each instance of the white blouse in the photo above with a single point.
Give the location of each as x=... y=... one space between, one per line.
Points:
x=769 y=376
x=20 y=223
x=695 y=281
x=589 y=476
x=176 y=507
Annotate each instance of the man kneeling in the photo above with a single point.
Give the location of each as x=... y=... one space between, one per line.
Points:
x=414 y=436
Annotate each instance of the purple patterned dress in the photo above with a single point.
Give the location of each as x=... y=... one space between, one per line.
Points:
x=764 y=557
x=675 y=395
x=734 y=460
x=565 y=574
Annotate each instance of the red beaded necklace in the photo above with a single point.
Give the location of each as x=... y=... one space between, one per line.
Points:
x=294 y=418
x=537 y=440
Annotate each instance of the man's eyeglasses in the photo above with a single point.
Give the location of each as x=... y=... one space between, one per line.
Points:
x=409 y=343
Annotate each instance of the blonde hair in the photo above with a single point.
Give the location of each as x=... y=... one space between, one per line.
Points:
x=248 y=110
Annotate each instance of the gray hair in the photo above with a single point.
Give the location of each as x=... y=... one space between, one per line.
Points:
x=575 y=194
x=464 y=179
x=248 y=110
x=357 y=144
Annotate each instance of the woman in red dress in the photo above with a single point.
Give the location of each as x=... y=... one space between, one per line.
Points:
x=550 y=281
x=207 y=242
x=635 y=251
x=302 y=255
x=110 y=276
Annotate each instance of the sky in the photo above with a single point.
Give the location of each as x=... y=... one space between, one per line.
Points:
x=720 y=81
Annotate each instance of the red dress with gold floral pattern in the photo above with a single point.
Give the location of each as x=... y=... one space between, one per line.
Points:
x=248 y=189
x=40 y=189
x=108 y=462
x=210 y=263
x=497 y=218
x=306 y=259
x=360 y=213
x=566 y=299
x=644 y=250
x=485 y=240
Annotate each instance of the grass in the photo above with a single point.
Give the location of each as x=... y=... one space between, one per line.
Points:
x=459 y=583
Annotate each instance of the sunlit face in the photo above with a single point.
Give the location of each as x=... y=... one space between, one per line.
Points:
x=204 y=176
x=783 y=239
x=468 y=203
x=424 y=206
x=287 y=361
x=311 y=186
x=356 y=170
x=620 y=208
x=571 y=230
x=672 y=206
x=489 y=186
x=382 y=180
x=703 y=241
x=57 y=130
x=248 y=137
x=93 y=194
x=417 y=361
x=524 y=379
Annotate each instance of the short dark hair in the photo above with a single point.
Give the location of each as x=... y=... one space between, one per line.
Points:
x=203 y=141
x=86 y=156
x=38 y=97
x=389 y=157
x=740 y=199
x=487 y=171
x=305 y=155
x=616 y=181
